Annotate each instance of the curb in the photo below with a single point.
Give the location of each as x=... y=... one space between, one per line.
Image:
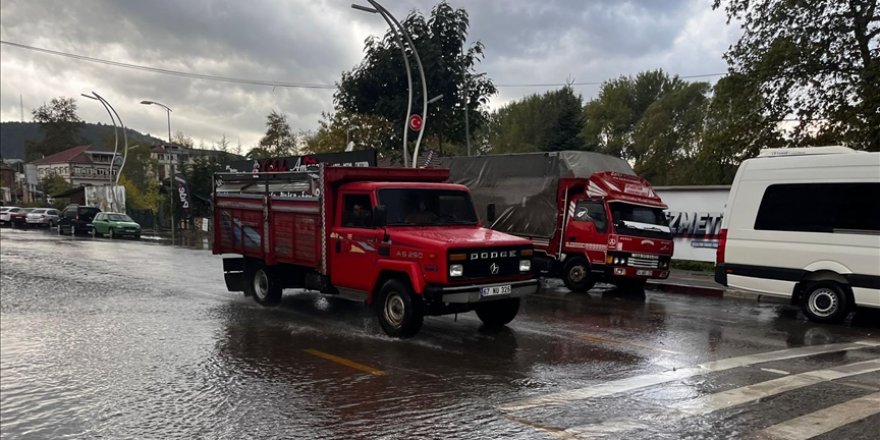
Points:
x=716 y=292
x=688 y=289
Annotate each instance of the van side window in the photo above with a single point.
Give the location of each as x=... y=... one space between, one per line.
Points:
x=591 y=212
x=820 y=207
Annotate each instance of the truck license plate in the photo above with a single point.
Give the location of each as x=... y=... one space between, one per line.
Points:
x=494 y=290
x=645 y=273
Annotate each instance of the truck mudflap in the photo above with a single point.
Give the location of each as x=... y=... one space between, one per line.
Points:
x=482 y=292
x=233 y=274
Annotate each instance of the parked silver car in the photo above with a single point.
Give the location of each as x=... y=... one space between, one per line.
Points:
x=43 y=217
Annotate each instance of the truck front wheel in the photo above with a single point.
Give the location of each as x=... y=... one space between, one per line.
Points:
x=264 y=286
x=399 y=310
x=576 y=275
x=497 y=313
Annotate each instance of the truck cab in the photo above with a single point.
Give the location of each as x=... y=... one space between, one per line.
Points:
x=613 y=230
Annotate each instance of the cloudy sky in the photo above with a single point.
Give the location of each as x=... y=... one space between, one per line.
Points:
x=531 y=47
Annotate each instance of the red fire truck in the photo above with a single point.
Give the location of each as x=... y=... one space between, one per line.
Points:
x=590 y=217
x=398 y=239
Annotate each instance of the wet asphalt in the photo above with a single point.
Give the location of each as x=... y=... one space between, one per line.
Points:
x=116 y=339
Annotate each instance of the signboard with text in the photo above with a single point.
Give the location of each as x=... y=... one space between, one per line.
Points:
x=695 y=215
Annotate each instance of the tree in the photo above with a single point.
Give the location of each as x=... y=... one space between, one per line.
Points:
x=182 y=140
x=668 y=136
x=60 y=125
x=736 y=128
x=378 y=86
x=279 y=141
x=549 y=122
x=54 y=184
x=611 y=118
x=365 y=131
x=818 y=60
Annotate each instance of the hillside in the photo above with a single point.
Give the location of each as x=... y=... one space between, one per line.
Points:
x=14 y=135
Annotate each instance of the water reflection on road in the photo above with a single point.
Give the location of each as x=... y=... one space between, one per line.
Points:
x=125 y=339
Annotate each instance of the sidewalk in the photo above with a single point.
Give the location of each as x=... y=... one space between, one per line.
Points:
x=703 y=284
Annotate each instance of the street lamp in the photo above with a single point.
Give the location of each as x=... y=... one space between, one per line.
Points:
x=171 y=158
x=110 y=108
x=377 y=8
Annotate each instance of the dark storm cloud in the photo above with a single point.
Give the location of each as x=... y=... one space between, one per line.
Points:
x=313 y=42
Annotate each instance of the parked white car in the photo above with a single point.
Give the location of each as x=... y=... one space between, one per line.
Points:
x=804 y=224
x=42 y=217
x=6 y=214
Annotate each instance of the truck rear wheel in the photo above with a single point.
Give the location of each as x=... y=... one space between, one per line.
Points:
x=263 y=286
x=399 y=310
x=576 y=275
x=825 y=301
x=497 y=313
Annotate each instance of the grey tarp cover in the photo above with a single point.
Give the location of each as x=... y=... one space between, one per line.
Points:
x=523 y=186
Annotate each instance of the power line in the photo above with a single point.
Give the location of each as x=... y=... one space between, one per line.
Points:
x=267 y=83
x=192 y=75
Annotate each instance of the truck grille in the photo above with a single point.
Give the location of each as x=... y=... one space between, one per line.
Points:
x=492 y=262
x=645 y=261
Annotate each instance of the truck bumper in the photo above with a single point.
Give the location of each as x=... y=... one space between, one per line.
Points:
x=481 y=293
x=634 y=272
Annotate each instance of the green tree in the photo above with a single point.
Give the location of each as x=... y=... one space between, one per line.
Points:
x=60 y=125
x=378 y=85
x=365 y=131
x=818 y=60
x=736 y=128
x=668 y=136
x=53 y=185
x=279 y=141
x=549 y=122
x=611 y=118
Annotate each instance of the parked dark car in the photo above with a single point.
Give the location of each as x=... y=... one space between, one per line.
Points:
x=77 y=219
x=19 y=218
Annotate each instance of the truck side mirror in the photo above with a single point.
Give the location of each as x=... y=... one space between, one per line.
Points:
x=380 y=216
x=490 y=213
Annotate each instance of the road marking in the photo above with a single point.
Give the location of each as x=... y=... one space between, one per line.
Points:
x=738 y=396
x=702 y=406
x=343 y=361
x=617 y=341
x=647 y=380
x=773 y=370
x=825 y=420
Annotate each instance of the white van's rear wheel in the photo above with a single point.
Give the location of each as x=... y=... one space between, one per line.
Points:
x=825 y=301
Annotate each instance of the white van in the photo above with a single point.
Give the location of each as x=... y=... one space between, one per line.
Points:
x=804 y=223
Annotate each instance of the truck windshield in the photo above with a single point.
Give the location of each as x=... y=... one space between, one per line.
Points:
x=640 y=220
x=427 y=207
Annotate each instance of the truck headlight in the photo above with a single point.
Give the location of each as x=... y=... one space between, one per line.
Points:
x=456 y=270
x=525 y=265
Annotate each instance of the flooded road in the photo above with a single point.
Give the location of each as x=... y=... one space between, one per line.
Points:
x=114 y=339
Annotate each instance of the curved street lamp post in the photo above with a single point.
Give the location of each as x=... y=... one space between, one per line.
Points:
x=377 y=8
x=112 y=111
x=171 y=158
